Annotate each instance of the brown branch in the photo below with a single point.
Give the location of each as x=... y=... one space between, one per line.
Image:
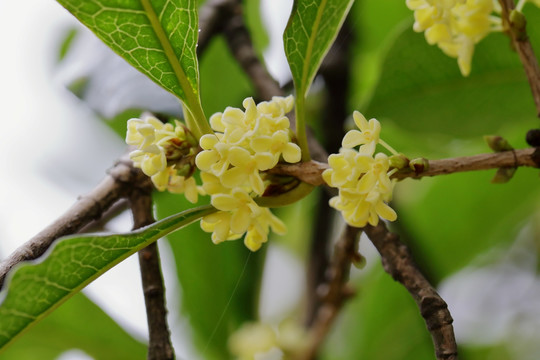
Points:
x=239 y=41
x=334 y=293
x=311 y=172
x=159 y=347
x=397 y=261
x=212 y=17
x=523 y=46
x=88 y=208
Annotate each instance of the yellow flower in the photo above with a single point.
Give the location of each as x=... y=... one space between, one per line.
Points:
x=240 y=214
x=367 y=137
x=233 y=161
x=456 y=26
x=254 y=341
x=363 y=180
x=165 y=153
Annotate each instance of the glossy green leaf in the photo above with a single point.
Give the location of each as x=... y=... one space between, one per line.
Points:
x=159 y=38
x=311 y=30
x=76 y=324
x=35 y=289
x=220 y=283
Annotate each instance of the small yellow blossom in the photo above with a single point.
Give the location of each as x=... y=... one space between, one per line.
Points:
x=367 y=136
x=165 y=153
x=260 y=341
x=456 y=26
x=248 y=142
x=232 y=163
x=363 y=179
x=251 y=340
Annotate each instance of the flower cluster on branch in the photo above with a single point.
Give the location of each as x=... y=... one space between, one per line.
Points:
x=362 y=177
x=456 y=26
x=166 y=153
x=232 y=164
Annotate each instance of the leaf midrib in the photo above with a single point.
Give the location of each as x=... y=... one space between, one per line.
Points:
x=309 y=49
x=169 y=52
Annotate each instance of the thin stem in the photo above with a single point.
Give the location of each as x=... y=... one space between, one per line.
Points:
x=160 y=346
x=301 y=136
x=191 y=124
x=311 y=172
x=522 y=45
x=334 y=292
x=197 y=114
x=388 y=147
x=116 y=185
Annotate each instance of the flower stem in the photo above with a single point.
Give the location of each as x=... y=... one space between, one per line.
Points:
x=196 y=120
x=388 y=147
x=301 y=127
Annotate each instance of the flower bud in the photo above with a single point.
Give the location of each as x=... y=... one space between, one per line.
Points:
x=419 y=165
x=497 y=143
x=399 y=161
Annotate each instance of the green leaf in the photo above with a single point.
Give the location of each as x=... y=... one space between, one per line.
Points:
x=223 y=82
x=220 y=283
x=36 y=289
x=66 y=43
x=452 y=219
x=159 y=38
x=376 y=25
x=76 y=324
x=311 y=30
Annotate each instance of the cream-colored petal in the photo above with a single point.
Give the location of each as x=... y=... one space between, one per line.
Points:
x=385 y=211
x=240 y=220
x=254 y=240
x=360 y=120
x=292 y=153
x=205 y=159
x=366 y=183
x=224 y=202
x=264 y=160
x=256 y=183
x=261 y=143
x=234 y=177
x=208 y=141
x=239 y=156
x=352 y=138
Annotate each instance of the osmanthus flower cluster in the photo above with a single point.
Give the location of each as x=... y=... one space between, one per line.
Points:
x=362 y=177
x=232 y=164
x=456 y=26
x=260 y=341
x=166 y=153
